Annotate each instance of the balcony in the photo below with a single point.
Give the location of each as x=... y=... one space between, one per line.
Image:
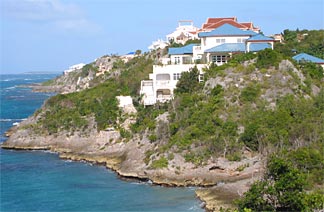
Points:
x=164 y=98
x=163 y=84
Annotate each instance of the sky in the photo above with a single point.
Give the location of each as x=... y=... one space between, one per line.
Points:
x=51 y=35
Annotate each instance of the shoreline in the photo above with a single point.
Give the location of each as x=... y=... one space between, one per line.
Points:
x=213 y=197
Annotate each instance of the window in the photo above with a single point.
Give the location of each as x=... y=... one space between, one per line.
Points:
x=176 y=60
x=241 y=40
x=176 y=76
x=219 y=58
x=214 y=58
x=218 y=40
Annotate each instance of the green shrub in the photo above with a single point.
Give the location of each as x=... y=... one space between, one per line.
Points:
x=160 y=163
x=281 y=189
x=125 y=133
x=250 y=93
x=268 y=58
x=235 y=156
x=152 y=137
x=148 y=154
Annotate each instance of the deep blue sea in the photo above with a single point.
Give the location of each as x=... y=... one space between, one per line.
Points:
x=40 y=181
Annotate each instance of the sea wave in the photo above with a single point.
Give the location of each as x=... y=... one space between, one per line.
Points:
x=15 y=97
x=8 y=80
x=10 y=88
x=11 y=120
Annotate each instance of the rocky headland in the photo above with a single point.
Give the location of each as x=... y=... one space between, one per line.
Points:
x=219 y=180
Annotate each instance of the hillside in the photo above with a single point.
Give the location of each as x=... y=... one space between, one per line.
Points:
x=221 y=130
x=88 y=76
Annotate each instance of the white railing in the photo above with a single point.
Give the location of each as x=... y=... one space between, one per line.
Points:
x=164 y=98
x=147 y=83
x=163 y=83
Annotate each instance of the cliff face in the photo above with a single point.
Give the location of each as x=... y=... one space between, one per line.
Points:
x=126 y=158
x=89 y=76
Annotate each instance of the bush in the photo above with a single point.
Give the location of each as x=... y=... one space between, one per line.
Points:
x=152 y=137
x=282 y=189
x=268 y=58
x=160 y=163
x=250 y=93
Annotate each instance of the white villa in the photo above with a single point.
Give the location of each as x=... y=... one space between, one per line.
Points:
x=216 y=46
x=74 y=67
x=185 y=31
x=158 y=44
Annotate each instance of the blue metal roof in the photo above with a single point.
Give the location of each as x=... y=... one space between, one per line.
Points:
x=226 y=30
x=255 y=47
x=237 y=47
x=260 y=37
x=307 y=57
x=227 y=47
x=182 y=50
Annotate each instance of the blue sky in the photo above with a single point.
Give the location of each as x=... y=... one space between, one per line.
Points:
x=51 y=35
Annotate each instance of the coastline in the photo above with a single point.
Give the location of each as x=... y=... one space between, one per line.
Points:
x=216 y=188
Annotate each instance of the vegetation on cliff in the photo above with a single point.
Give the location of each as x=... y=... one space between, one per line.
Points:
x=72 y=112
x=308 y=41
x=260 y=103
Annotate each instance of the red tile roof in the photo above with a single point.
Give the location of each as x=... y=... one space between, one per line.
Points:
x=222 y=22
x=250 y=26
x=215 y=20
x=213 y=23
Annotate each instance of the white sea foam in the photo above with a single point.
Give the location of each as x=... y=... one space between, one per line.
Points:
x=16 y=97
x=10 y=120
x=8 y=80
x=10 y=88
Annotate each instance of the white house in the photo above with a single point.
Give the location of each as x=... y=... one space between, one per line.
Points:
x=159 y=44
x=220 y=44
x=74 y=67
x=163 y=81
x=216 y=46
x=127 y=57
x=185 y=31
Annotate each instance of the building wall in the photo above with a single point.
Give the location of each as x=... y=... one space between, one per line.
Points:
x=181 y=59
x=186 y=30
x=210 y=42
x=164 y=80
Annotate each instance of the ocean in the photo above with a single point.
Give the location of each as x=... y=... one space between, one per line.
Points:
x=40 y=181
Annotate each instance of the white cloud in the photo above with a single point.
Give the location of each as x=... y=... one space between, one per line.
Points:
x=63 y=16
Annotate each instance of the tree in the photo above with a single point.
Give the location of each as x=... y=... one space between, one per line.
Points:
x=188 y=82
x=289 y=35
x=282 y=189
x=138 y=52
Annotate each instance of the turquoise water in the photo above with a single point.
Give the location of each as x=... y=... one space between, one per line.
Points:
x=40 y=181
